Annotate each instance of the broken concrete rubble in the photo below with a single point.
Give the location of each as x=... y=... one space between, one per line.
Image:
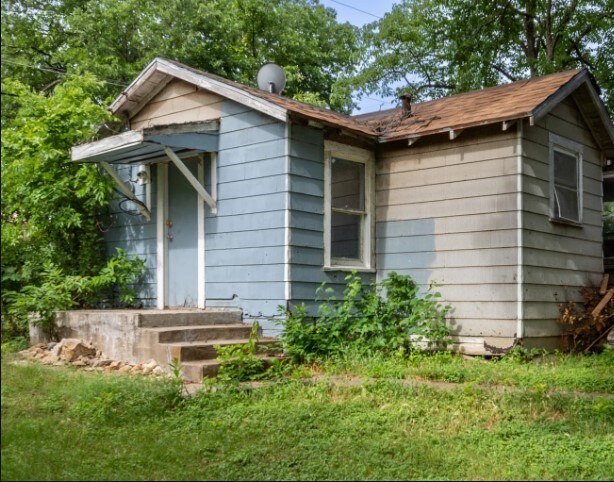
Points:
x=84 y=355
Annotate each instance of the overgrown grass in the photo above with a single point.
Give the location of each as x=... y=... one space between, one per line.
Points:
x=63 y=424
x=568 y=372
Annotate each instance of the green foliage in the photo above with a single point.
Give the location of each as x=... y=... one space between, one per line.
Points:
x=520 y=354
x=232 y=38
x=246 y=361
x=177 y=378
x=113 y=427
x=439 y=47
x=52 y=252
x=50 y=205
x=521 y=367
x=389 y=316
x=15 y=345
x=59 y=291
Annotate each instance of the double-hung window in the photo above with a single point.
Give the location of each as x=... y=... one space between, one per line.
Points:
x=348 y=223
x=565 y=180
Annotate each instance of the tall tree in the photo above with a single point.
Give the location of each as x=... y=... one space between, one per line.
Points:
x=233 y=38
x=438 y=47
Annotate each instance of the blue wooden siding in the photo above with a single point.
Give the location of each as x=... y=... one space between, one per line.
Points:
x=307 y=219
x=133 y=233
x=245 y=241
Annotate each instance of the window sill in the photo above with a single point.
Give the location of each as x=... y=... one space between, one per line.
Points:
x=358 y=269
x=566 y=222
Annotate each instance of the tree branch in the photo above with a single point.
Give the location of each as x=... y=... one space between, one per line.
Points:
x=505 y=73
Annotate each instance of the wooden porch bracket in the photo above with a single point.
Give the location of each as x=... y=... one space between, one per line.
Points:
x=454 y=133
x=202 y=192
x=126 y=191
x=507 y=124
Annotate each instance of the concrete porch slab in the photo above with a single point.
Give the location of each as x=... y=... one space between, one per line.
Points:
x=124 y=334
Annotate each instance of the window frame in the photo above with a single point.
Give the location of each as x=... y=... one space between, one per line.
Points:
x=573 y=149
x=336 y=150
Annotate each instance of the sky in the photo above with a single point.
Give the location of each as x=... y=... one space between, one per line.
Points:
x=360 y=12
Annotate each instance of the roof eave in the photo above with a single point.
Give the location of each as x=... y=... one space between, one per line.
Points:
x=536 y=114
x=170 y=71
x=557 y=97
x=606 y=142
x=508 y=119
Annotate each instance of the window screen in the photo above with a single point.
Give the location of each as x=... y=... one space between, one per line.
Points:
x=566 y=202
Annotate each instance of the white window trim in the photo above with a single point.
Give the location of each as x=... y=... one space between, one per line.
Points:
x=574 y=149
x=366 y=157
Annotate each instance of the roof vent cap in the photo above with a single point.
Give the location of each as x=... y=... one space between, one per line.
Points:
x=406 y=102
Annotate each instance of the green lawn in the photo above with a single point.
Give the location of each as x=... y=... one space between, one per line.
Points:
x=588 y=373
x=59 y=423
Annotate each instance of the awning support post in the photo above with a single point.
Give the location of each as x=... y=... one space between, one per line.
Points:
x=202 y=192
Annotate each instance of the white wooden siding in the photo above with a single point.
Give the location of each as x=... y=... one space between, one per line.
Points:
x=446 y=212
x=559 y=258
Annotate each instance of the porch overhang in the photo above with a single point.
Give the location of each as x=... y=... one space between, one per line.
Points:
x=148 y=145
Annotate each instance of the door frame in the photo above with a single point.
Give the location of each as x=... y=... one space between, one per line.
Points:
x=162 y=210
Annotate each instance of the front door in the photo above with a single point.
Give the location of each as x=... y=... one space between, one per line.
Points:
x=182 y=234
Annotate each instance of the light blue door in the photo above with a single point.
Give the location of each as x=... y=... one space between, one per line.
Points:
x=182 y=234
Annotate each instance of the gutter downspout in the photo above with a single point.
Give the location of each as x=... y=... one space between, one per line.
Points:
x=519 y=240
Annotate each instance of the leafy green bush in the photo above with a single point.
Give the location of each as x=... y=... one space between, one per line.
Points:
x=389 y=317
x=59 y=291
x=52 y=208
x=14 y=345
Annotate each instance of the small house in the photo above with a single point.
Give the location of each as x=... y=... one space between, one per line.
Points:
x=238 y=197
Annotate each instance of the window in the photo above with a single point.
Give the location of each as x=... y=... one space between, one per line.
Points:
x=565 y=180
x=348 y=207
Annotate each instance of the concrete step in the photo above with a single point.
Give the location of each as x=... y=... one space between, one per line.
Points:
x=195 y=371
x=201 y=333
x=187 y=351
x=189 y=317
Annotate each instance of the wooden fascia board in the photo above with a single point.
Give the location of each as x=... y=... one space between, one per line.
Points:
x=148 y=96
x=555 y=99
x=134 y=85
x=109 y=144
x=162 y=135
x=446 y=130
x=202 y=81
x=209 y=126
x=224 y=90
x=603 y=115
x=323 y=124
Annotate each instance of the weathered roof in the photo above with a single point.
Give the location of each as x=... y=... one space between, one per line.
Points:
x=487 y=106
x=531 y=98
x=161 y=71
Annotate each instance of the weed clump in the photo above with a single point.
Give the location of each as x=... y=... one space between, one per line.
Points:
x=390 y=317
